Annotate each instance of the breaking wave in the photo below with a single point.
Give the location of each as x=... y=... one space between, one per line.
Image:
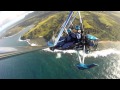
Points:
x=95 y=54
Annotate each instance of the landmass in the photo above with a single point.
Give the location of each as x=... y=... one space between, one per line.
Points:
x=32 y=18
x=104 y=25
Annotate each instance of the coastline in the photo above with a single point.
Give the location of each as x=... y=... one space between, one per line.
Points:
x=109 y=41
x=36 y=42
x=28 y=41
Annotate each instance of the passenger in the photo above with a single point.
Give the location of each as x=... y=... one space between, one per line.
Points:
x=76 y=29
x=75 y=32
x=78 y=35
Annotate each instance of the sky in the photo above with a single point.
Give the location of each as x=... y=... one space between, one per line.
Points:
x=8 y=18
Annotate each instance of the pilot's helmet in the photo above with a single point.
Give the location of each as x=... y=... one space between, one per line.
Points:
x=77 y=27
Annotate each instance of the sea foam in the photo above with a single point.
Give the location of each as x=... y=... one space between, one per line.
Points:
x=95 y=54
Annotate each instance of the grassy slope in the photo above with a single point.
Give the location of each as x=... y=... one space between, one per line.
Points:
x=46 y=26
x=104 y=25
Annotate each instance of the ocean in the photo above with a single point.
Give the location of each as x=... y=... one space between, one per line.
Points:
x=43 y=64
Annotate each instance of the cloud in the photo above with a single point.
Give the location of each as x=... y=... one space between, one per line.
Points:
x=6 y=17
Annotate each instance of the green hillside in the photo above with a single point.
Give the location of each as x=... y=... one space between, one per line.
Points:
x=104 y=25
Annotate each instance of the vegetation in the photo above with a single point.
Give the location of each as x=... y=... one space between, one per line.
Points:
x=46 y=26
x=104 y=25
x=32 y=18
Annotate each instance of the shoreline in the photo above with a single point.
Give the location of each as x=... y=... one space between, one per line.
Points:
x=108 y=41
x=28 y=41
x=36 y=44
